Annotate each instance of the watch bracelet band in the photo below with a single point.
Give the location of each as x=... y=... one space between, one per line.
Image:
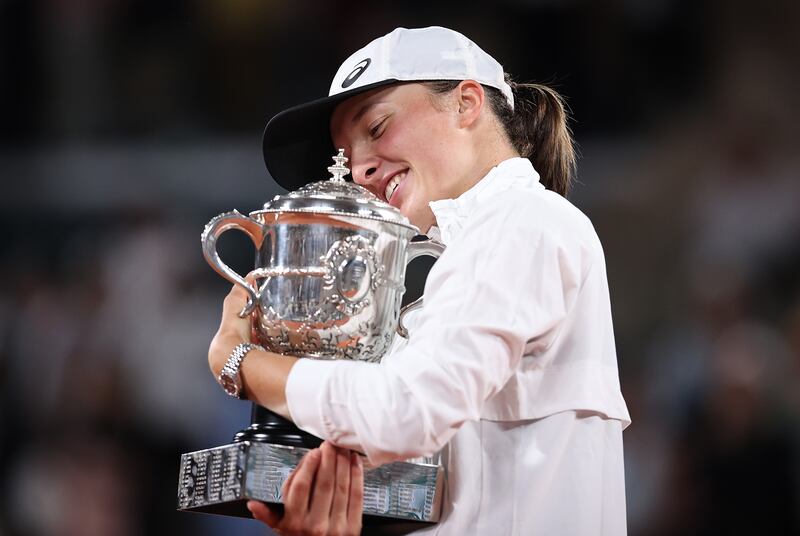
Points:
x=234 y=362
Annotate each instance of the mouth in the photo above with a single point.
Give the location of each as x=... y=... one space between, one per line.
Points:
x=394 y=182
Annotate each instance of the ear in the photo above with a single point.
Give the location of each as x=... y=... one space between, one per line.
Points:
x=470 y=98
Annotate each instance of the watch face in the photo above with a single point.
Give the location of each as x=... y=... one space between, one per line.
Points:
x=228 y=384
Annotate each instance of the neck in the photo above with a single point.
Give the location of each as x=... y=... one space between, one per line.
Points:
x=488 y=146
x=488 y=154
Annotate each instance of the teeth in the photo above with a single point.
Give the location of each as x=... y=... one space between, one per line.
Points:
x=393 y=184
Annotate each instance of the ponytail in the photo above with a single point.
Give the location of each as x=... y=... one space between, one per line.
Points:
x=537 y=128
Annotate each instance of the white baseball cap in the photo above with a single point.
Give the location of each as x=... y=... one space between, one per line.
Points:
x=297 y=144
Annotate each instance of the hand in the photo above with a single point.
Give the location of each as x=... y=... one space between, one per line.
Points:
x=323 y=496
x=232 y=329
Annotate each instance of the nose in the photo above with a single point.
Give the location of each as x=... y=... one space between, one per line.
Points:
x=365 y=171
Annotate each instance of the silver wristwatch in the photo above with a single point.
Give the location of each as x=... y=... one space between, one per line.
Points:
x=230 y=379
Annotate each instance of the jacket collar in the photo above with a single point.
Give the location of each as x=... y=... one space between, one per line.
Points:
x=452 y=214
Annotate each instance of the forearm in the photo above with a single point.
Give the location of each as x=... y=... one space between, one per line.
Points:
x=263 y=373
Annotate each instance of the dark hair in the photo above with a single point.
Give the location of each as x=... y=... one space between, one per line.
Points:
x=536 y=127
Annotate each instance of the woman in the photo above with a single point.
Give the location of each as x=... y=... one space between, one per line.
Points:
x=510 y=368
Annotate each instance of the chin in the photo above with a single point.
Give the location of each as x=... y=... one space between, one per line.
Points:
x=420 y=217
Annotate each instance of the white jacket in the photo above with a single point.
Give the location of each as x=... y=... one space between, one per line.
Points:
x=511 y=365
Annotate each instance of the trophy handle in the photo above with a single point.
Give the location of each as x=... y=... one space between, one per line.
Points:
x=213 y=230
x=432 y=248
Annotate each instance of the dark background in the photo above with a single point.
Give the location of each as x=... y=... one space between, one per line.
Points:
x=127 y=125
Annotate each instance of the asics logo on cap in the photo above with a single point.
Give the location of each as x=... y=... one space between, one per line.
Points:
x=355 y=73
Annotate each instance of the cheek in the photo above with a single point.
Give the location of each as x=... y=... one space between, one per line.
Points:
x=419 y=146
x=417 y=135
x=396 y=143
x=421 y=142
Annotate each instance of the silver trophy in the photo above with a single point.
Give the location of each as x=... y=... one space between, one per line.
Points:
x=329 y=278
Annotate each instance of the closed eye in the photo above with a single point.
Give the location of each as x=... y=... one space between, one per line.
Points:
x=375 y=130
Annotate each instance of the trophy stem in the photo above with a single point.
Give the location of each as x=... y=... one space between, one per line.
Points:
x=269 y=427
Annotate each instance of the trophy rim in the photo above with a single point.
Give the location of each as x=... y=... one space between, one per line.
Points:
x=335 y=212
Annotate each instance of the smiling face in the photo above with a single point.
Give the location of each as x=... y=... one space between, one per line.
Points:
x=407 y=147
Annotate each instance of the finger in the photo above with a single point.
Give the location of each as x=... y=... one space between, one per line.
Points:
x=320 y=507
x=251 y=281
x=234 y=303
x=341 y=489
x=298 y=492
x=355 y=505
x=264 y=513
x=288 y=481
x=236 y=296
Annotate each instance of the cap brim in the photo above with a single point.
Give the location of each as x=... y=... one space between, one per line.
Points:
x=297 y=143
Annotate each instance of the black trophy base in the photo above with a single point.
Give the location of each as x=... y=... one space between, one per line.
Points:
x=268 y=427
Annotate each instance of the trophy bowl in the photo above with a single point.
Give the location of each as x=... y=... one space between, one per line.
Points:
x=329 y=272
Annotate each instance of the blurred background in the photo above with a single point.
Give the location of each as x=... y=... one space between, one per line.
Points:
x=126 y=125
